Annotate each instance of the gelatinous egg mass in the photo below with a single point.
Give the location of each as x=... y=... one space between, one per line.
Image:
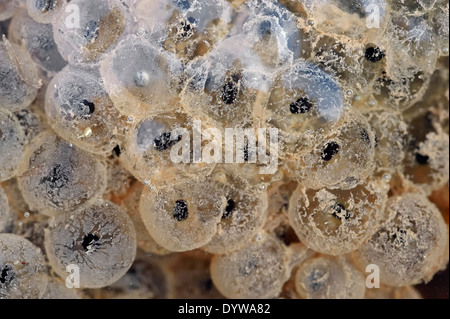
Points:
x=250 y=149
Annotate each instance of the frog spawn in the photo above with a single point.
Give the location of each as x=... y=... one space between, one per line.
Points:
x=257 y=270
x=158 y=150
x=79 y=109
x=53 y=176
x=184 y=216
x=38 y=39
x=23 y=272
x=337 y=222
x=410 y=247
x=325 y=277
x=18 y=86
x=340 y=159
x=99 y=239
x=101 y=26
x=385 y=77
x=146 y=87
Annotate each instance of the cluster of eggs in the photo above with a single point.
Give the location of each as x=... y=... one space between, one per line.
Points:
x=91 y=93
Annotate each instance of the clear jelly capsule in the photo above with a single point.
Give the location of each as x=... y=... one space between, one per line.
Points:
x=188 y=28
x=145 y=241
x=257 y=270
x=244 y=215
x=274 y=30
x=340 y=159
x=271 y=30
x=411 y=246
x=336 y=222
x=91 y=30
x=99 y=241
x=326 y=277
x=45 y=11
x=79 y=109
x=56 y=176
x=225 y=85
x=38 y=39
x=184 y=216
x=12 y=144
x=157 y=150
x=19 y=81
x=304 y=101
x=7 y=8
x=23 y=272
x=145 y=87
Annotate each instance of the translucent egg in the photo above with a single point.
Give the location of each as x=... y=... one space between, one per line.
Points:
x=99 y=240
x=12 y=144
x=85 y=34
x=244 y=216
x=79 y=110
x=45 y=11
x=336 y=222
x=224 y=87
x=157 y=150
x=271 y=30
x=18 y=77
x=23 y=273
x=340 y=159
x=257 y=270
x=183 y=216
x=57 y=177
x=325 y=277
x=147 y=86
x=38 y=39
x=188 y=28
x=411 y=246
x=304 y=101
